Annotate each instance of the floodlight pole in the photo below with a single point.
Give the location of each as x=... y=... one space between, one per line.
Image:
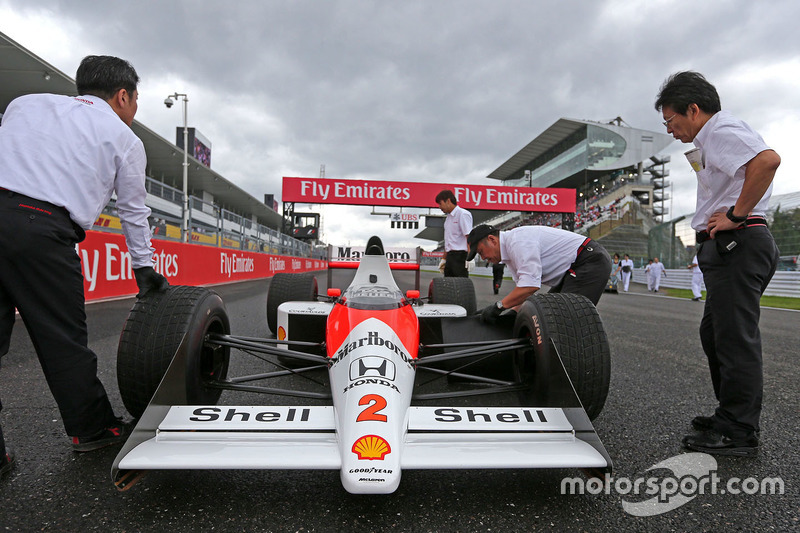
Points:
x=185 y=218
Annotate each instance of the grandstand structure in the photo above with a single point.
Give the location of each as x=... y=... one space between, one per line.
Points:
x=617 y=172
x=220 y=213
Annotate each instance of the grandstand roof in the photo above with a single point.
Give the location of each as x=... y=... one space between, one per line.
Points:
x=635 y=145
x=22 y=72
x=786 y=202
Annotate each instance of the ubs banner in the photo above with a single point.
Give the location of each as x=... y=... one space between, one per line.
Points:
x=107 y=271
x=416 y=194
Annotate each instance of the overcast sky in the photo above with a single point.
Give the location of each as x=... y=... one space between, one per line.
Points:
x=437 y=91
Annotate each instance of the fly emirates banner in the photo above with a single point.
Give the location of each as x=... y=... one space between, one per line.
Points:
x=413 y=194
x=107 y=271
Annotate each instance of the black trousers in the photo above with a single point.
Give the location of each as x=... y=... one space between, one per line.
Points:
x=40 y=275
x=736 y=277
x=455 y=264
x=588 y=275
x=497 y=274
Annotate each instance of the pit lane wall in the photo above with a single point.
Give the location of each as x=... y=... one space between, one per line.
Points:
x=107 y=269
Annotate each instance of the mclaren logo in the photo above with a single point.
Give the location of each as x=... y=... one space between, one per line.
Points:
x=372 y=366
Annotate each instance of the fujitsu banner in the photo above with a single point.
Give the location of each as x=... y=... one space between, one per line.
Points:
x=107 y=271
x=414 y=194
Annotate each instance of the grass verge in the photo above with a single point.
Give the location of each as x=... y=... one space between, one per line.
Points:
x=782 y=302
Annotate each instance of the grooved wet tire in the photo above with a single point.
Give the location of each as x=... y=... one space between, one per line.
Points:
x=458 y=291
x=289 y=288
x=152 y=334
x=574 y=325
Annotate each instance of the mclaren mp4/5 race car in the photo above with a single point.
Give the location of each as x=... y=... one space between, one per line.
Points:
x=380 y=381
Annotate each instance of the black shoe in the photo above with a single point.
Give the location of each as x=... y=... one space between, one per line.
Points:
x=701 y=423
x=106 y=437
x=718 y=444
x=7 y=462
x=696 y=299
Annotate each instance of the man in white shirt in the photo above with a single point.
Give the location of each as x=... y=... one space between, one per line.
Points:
x=736 y=253
x=627 y=272
x=655 y=273
x=61 y=158
x=537 y=255
x=457 y=226
x=697 y=280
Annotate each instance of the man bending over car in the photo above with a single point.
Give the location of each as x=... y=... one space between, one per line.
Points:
x=536 y=255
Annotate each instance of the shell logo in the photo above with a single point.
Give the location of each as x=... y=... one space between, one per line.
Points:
x=281 y=334
x=371 y=447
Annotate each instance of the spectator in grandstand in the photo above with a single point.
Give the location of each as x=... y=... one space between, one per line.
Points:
x=656 y=272
x=697 y=280
x=627 y=272
x=736 y=253
x=61 y=158
x=537 y=255
x=457 y=225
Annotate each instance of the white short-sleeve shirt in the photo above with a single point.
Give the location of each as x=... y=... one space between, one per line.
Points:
x=727 y=144
x=457 y=226
x=537 y=255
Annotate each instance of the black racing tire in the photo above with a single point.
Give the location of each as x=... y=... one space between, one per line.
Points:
x=574 y=325
x=152 y=334
x=289 y=288
x=458 y=291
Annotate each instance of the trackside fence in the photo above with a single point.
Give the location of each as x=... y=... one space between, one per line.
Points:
x=782 y=284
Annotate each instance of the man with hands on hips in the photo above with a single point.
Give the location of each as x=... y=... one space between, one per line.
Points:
x=61 y=158
x=735 y=251
x=536 y=255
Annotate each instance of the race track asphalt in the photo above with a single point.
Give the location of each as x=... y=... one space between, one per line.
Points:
x=659 y=382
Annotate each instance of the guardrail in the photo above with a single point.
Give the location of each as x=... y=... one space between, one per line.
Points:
x=782 y=283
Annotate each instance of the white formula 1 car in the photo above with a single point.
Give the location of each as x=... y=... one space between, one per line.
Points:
x=382 y=382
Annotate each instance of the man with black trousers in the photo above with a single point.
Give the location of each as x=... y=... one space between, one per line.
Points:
x=536 y=255
x=736 y=253
x=61 y=158
x=457 y=225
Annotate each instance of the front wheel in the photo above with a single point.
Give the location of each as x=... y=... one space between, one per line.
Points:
x=575 y=327
x=154 y=330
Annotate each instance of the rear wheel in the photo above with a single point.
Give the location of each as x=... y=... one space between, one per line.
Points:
x=289 y=288
x=152 y=334
x=575 y=327
x=458 y=291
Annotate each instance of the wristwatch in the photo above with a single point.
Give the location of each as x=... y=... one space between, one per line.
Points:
x=499 y=305
x=734 y=218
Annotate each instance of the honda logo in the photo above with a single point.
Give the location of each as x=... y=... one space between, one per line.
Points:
x=372 y=366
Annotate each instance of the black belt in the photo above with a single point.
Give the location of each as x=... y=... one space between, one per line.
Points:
x=582 y=246
x=703 y=236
